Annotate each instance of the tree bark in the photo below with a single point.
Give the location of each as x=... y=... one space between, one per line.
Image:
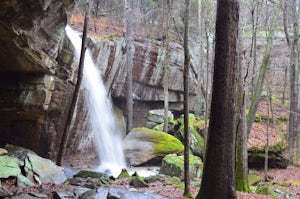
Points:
x=218 y=181
x=199 y=71
x=187 y=183
x=241 y=162
x=294 y=92
x=65 y=135
x=166 y=67
x=255 y=97
x=129 y=64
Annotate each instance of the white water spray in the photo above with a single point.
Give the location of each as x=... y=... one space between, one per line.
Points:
x=107 y=136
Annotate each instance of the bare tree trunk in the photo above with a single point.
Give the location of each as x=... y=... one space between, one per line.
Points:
x=207 y=100
x=260 y=81
x=65 y=135
x=294 y=80
x=187 y=182
x=218 y=181
x=253 y=44
x=285 y=84
x=199 y=71
x=241 y=162
x=266 y=178
x=166 y=67
x=129 y=64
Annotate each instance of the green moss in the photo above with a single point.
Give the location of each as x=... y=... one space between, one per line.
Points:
x=188 y=195
x=104 y=178
x=164 y=143
x=294 y=183
x=257 y=116
x=196 y=124
x=175 y=181
x=253 y=179
x=124 y=174
x=137 y=181
x=265 y=189
x=178 y=160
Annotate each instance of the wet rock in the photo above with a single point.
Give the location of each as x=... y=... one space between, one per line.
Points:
x=24 y=196
x=145 y=146
x=69 y=173
x=124 y=194
x=38 y=195
x=5 y=193
x=100 y=193
x=63 y=194
x=78 y=191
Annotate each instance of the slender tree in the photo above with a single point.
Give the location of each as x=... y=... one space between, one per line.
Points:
x=241 y=163
x=262 y=72
x=199 y=71
x=294 y=81
x=129 y=63
x=218 y=181
x=65 y=135
x=166 y=65
x=187 y=183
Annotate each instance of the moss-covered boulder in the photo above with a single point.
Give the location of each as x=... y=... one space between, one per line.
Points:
x=196 y=129
x=124 y=174
x=173 y=165
x=257 y=160
x=137 y=181
x=145 y=146
x=253 y=179
x=265 y=189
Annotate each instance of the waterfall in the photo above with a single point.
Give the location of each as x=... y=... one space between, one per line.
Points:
x=107 y=137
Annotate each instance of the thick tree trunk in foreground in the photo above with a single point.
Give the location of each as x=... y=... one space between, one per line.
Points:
x=187 y=182
x=65 y=136
x=218 y=173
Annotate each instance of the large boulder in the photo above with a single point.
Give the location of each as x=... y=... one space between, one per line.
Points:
x=29 y=168
x=156 y=117
x=145 y=146
x=173 y=165
x=196 y=130
x=257 y=141
x=11 y=167
x=43 y=170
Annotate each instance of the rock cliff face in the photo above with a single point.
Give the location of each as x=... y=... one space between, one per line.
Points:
x=110 y=57
x=36 y=71
x=148 y=72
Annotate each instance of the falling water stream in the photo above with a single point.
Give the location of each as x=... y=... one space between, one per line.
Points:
x=107 y=136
